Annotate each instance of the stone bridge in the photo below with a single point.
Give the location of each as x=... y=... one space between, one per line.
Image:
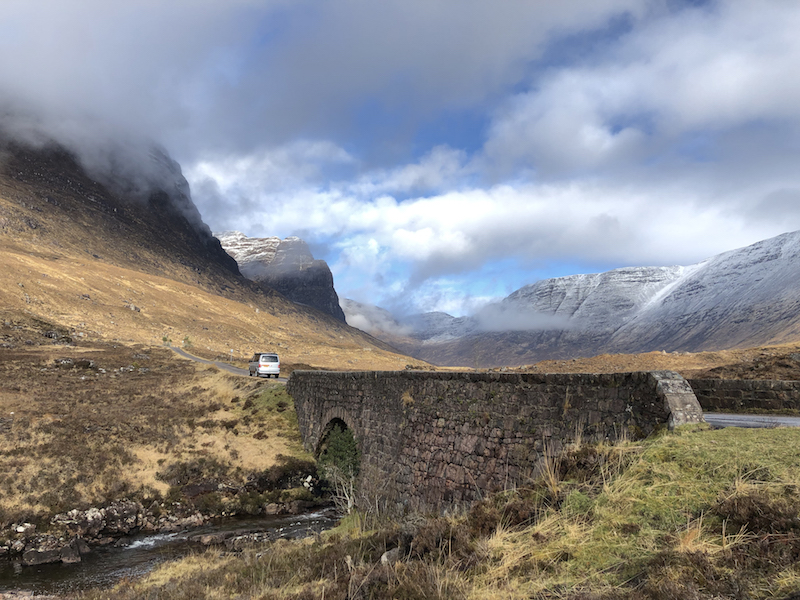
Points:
x=432 y=439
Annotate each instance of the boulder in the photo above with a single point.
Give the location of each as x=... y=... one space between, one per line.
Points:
x=123 y=516
x=42 y=550
x=84 y=523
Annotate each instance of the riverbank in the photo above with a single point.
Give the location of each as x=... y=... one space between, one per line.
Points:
x=74 y=534
x=107 y=565
x=102 y=441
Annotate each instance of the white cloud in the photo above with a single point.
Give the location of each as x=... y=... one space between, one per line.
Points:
x=708 y=70
x=441 y=168
x=498 y=317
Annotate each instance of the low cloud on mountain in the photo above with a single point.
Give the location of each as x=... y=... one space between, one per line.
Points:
x=498 y=317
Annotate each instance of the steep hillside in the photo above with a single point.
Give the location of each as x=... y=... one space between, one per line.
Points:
x=143 y=268
x=743 y=298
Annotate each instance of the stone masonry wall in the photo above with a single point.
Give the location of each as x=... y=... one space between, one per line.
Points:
x=736 y=395
x=434 y=439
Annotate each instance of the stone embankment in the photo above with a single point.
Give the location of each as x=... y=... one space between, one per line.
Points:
x=78 y=530
x=747 y=395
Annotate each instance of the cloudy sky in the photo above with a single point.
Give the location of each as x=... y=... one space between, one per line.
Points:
x=440 y=153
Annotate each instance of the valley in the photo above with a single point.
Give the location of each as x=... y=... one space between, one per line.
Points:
x=105 y=267
x=98 y=416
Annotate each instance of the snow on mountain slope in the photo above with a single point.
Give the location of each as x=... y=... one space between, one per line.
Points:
x=600 y=302
x=249 y=253
x=750 y=295
x=286 y=266
x=744 y=297
x=439 y=326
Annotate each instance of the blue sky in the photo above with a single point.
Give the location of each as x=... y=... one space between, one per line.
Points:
x=439 y=153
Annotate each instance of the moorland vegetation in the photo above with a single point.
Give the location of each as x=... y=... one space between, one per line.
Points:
x=87 y=424
x=697 y=513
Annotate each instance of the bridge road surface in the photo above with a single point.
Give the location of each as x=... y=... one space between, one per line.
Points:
x=745 y=420
x=218 y=363
x=714 y=419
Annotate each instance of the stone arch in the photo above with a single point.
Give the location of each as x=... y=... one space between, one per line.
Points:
x=323 y=436
x=332 y=417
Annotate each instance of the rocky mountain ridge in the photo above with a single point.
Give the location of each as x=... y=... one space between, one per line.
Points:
x=286 y=266
x=745 y=297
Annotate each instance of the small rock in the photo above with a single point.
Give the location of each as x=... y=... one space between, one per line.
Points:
x=70 y=555
x=81 y=545
x=43 y=551
x=25 y=528
x=390 y=556
x=273 y=509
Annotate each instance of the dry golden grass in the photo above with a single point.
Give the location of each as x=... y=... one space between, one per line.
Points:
x=77 y=434
x=93 y=299
x=768 y=362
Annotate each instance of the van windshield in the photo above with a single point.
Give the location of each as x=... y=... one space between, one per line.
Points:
x=269 y=358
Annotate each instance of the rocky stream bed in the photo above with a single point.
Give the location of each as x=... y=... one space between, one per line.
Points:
x=99 y=546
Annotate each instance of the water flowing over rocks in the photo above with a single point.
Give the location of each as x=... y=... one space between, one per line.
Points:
x=79 y=530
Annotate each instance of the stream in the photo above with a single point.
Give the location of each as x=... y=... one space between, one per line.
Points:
x=106 y=565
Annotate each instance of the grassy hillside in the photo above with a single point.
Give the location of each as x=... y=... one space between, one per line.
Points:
x=89 y=424
x=132 y=270
x=96 y=301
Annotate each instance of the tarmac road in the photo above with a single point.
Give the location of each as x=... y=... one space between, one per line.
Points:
x=745 y=420
x=218 y=363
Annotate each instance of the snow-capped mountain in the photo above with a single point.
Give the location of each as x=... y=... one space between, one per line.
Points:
x=286 y=266
x=744 y=297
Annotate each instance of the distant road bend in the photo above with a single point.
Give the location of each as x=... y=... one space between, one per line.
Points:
x=217 y=363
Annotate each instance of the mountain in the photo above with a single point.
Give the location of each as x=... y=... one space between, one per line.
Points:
x=52 y=201
x=123 y=255
x=286 y=266
x=745 y=297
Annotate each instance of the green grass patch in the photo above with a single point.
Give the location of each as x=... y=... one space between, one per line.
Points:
x=271 y=402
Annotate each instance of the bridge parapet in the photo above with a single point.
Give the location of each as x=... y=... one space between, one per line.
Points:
x=437 y=438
